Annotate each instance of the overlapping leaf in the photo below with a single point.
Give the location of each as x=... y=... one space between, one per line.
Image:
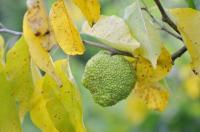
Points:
x=19 y=73
x=187 y=20
x=66 y=34
x=147 y=73
x=153 y=94
x=9 y=118
x=63 y=105
x=144 y=31
x=34 y=40
x=90 y=9
x=56 y=109
x=112 y=31
x=38 y=112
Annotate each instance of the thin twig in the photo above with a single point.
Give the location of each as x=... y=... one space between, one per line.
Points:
x=165 y=17
x=112 y=50
x=160 y=25
x=6 y=30
x=179 y=53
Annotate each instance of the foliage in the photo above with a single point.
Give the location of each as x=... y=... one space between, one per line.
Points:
x=32 y=81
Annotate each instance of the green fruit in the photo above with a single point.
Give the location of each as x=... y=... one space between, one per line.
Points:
x=109 y=78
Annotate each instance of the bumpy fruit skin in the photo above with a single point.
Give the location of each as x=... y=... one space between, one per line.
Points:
x=109 y=78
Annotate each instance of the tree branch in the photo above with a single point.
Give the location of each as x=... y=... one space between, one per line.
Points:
x=165 y=17
x=179 y=53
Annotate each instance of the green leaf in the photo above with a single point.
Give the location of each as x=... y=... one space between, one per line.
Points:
x=111 y=31
x=19 y=73
x=143 y=29
x=9 y=119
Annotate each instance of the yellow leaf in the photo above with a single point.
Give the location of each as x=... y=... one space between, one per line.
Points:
x=19 y=73
x=63 y=104
x=90 y=9
x=187 y=20
x=136 y=110
x=192 y=87
x=112 y=31
x=9 y=119
x=1 y=53
x=39 y=55
x=147 y=73
x=153 y=94
x=65 y=32
x=39 y=23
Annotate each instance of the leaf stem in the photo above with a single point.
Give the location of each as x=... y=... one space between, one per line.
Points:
x=178 y=53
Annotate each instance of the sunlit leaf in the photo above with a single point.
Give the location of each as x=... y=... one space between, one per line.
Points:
x=187 y=20
x=112 y=31
x=19 y=73
x=192 y=87
x=39 y=55
x=9 y=119
x=136 y=110
x=39 y=23
x=1 y=53
x=64 y=104
x=143 y=29
x=153 y=94
x=90 y=9
x=147 y=73
x=65 y=32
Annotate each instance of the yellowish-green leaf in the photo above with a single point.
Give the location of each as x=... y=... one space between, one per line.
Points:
x=112 y=31
x=136 y=110
x=38 y=112
x=66 y=33
x=9 y=118
x=143 y=29
x=147 y=73
x=1 y=53
x=187 y=20
x=90 y=9
x=64 y=104
x=19 y=73
x=192 y=87
x=153 y=94
x=39 y=55
x=39 y=23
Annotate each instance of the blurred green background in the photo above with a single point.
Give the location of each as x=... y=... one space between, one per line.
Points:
x=183 y=111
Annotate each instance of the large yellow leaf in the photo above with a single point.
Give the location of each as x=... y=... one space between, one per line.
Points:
x=39 y=55
x=144 y=31
x=90 y=9
x=187 y=20
x=39 y=23
x=38 y=112
x=19 y=73
x=153 y=94
x=112 y=31
x=9 y=119
x=63 y=104
x=1 y=53
x=66 y=34
x=147 y=73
